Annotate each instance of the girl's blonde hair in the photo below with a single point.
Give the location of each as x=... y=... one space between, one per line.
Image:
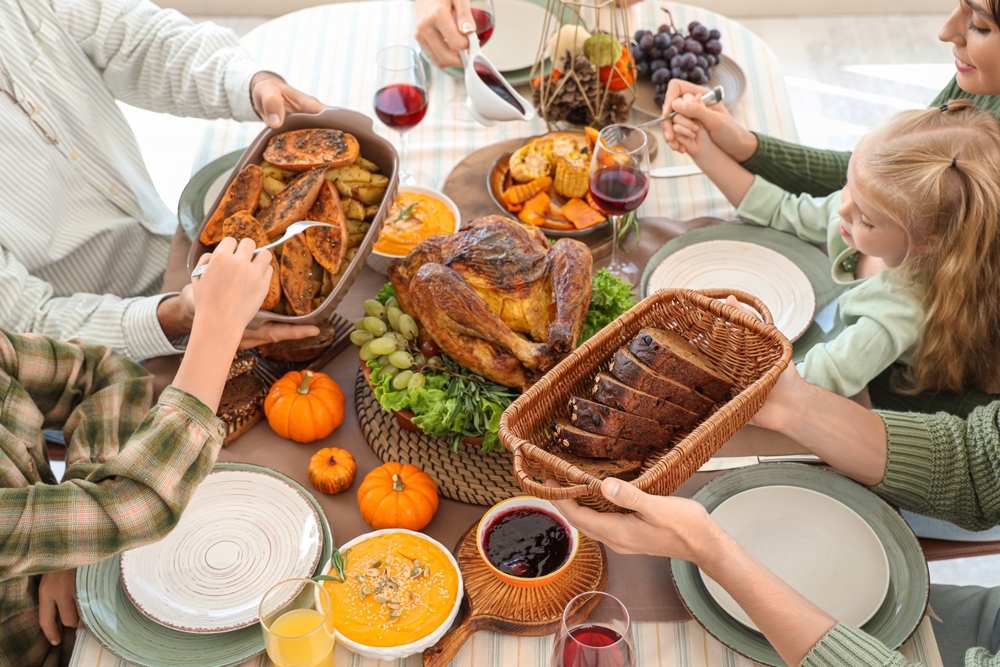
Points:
x=937 y=172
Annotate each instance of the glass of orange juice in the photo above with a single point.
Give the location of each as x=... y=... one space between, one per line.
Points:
x=298 y=625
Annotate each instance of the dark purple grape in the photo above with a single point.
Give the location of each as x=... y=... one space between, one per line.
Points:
x=697 y=75
x=700 y=33
x=677 y=42
x=658 y=99
x=713 y=46
x=685 y=76
x=642 y=68
x=662 y=40
x=712 y=60
x=702 y=62
x=689 y=61
x=637 y=53
x=675 y=62
x=659 y=63
x=662 y=87
x=714 y=34
x=669 y=53
x=639 y=34
x=694 y=46
x=646 y=42
x=692 y=25
x=654 y=54
x=661 y=75
x=663 y=28
x=676 y=72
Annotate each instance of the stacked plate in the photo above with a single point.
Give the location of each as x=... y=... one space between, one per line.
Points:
x=191 y=599
x=834 y=541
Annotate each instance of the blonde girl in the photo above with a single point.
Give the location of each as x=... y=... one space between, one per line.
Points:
x=913 y=236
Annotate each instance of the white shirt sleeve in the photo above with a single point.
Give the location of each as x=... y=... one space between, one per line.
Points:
x=159 y=60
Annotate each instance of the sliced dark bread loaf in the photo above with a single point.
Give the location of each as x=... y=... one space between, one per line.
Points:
x=602 y=420
x=612 y=393
x=242 y=396
x=591 y=445
x=601 y=468
x=637 y=375
x=243 y=363
x=672 y=355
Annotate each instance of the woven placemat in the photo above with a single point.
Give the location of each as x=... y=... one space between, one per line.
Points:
x=468 y=475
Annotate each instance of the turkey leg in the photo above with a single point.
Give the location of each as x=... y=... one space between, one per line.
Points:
x=570 y=264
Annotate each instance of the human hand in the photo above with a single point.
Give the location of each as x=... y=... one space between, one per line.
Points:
x=442 y=26
x=726 y=133
x=57 y=597
x=274 y=332
x=660 y=526
x=273 y=98
x=692 y=136
x=232 y=288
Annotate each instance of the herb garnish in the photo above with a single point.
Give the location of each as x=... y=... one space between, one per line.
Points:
x=338 y=564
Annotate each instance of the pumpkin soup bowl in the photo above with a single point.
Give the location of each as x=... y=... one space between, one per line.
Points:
x=379 y=261
x=525 y=503
x=435 y=582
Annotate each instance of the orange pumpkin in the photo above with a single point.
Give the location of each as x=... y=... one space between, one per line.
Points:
x=397 y=495
x=304 y=406
x=332 y=470
x=622 y=73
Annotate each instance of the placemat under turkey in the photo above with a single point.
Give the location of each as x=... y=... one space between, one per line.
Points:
x=469 y=475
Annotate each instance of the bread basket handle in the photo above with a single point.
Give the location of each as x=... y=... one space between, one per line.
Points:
x=551 y=492
x=742 y=297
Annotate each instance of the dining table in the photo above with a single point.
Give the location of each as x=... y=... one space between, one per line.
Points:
x=329 y=51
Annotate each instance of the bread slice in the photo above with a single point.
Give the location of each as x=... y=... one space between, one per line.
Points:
x=592 y=445
x=242 y=396
x=672 y=355
x=243 y=363
x=637 y=375
x=600 y=419
x=614 y=394
x=601 y=468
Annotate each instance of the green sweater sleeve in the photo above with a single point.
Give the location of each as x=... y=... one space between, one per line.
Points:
x=847 y=646
x=945 y=467
x=807 y=217
x=799 y=169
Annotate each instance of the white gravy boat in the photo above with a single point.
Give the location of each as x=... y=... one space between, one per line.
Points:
x=492 y=100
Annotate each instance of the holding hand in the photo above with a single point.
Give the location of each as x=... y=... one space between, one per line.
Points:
x=273 y=98
x=57 y=604
x=442 y=26
x=685 y=98
x=691 y=135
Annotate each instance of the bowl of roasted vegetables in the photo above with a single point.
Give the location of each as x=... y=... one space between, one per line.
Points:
x=328 y=167
x=546 y=183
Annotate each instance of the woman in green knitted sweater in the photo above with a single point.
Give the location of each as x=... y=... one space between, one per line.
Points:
x=938 y=465
x=972 y=29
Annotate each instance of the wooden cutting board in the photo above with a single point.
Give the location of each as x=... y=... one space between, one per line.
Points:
x=491 y=604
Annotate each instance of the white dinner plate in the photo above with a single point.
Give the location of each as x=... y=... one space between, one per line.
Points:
x=241 y=533
x=768 y=275
x=517 y=32
x=814 y=543
x=215 y=188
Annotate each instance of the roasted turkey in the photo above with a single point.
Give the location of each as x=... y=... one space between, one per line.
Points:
x=496 y=297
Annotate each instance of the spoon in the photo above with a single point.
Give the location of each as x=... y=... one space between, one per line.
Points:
x=294 y=229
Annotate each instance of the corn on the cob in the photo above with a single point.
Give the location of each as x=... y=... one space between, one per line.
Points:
x=530 y=162
x=571 y=176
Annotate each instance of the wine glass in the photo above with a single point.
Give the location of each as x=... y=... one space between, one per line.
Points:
x=401 y=100
x=483 y=14
x=604 y=639
x=298 y=625
x=619 y=181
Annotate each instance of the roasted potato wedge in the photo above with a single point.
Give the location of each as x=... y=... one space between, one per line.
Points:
x=302 y=150
x=296 y=276
x=292 y=203
x=278 y=174
x=353 y=208
x=345 y=187
x=371 y=211
x=356 y=233
x=380 y=181
x=367 y=165
x=265 y=199
x=328 y=245
x=273 y=186
x=241 y=226
x=367 y=194
x=243 y=195
x=351 y=173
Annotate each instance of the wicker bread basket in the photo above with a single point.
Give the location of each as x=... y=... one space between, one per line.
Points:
x=752 y=354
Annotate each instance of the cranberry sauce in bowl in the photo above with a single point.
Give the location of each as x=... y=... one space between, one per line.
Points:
x=526 y=542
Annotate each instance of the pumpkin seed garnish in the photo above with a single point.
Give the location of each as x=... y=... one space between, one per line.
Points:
x=427 y=572
x=395 y=613
x=377 y=563
x=415 y=572
x=378 y=589
x=372 y=572
x=389 y=557
x=366 y=590
x=416 y=562
x=393 y=605
x=362 y=595
x=358 y=578
x=380 y=599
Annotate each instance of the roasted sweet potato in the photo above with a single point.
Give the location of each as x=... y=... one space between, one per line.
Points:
x=518 y=194
x=303 y=150
x=535 y=210
x=328 y=245
x=241 y=226
x=291 y=204
x=296 y=276
x=243 y=195
x=581 y=214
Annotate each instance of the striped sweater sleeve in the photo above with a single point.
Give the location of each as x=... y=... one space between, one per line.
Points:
x=158 y=59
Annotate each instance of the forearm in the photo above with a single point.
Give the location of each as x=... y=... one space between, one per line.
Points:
x=726 y=173
x=799 y=169
x=206 y=362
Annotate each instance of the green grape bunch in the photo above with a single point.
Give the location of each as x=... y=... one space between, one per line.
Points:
x=390 y=336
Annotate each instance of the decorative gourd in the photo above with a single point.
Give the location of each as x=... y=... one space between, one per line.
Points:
x=397 y=495
x=332 y=470
x=304 y=406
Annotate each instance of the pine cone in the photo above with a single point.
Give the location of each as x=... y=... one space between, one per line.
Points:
x=616 y=110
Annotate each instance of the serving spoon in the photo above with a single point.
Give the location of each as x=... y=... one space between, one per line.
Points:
x=294 y=229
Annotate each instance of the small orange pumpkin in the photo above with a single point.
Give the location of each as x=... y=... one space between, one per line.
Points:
x=397 y=495
x=304 y=406
x=332 y=470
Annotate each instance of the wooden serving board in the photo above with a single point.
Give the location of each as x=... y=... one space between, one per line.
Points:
x=491 y=604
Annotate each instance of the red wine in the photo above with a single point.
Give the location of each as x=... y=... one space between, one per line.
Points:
x=527 y=542
x=595 y=646
x=497 y=86
x=401 y=105
x=618 y=189
x=484 y=24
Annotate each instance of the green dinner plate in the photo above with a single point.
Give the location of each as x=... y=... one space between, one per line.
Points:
x=130 y=635
x=191 y=206
x=814 y=263
x=909 y=585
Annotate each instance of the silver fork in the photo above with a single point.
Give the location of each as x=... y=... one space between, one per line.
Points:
x=713 y=96
x=294 y=229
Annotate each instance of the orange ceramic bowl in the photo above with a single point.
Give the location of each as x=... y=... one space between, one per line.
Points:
x=514 y=503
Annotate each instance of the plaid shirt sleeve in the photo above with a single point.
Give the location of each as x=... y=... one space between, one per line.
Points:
x=130 y=469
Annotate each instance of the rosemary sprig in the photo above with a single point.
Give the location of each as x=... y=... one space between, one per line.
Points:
x=338 y=562
x=404 y=213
